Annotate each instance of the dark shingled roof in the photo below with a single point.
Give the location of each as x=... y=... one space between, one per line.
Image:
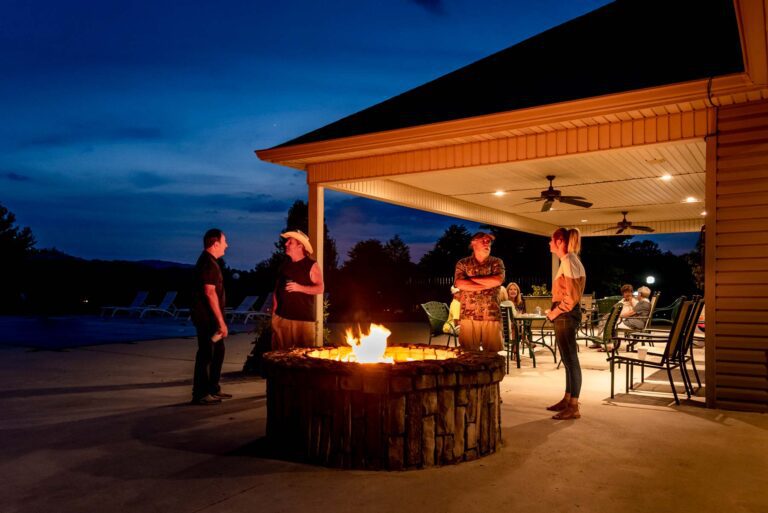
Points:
x=623 y=46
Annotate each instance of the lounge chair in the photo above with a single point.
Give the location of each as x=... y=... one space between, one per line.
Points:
x=243 y=309
x=164 y=308
x=264 y=312
x=136 y=304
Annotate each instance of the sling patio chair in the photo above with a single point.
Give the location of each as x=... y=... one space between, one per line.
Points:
x=605 y=339
x=437 y=315
x=242 y=310
x=136 y=304
x=164 y=308
x=665 y=314
x=667 y=360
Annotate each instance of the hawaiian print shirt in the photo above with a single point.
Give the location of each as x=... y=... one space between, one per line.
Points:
x=480 y=305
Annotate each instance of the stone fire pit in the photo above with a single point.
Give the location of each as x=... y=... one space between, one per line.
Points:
x=442 y=407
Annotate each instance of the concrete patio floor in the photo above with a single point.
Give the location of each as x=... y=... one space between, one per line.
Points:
x=108 y=429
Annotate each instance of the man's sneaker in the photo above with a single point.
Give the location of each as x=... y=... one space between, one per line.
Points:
x=222 y=395
x=206 y=400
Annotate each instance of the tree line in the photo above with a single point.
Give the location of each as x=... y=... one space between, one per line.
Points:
x=376 y=281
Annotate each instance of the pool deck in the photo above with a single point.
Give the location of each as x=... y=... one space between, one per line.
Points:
x=109 y=429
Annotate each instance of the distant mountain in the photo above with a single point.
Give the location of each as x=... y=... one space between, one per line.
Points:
x=53 y=254
x=163 y=264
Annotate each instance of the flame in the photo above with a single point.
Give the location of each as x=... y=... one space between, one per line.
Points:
x=370 y=348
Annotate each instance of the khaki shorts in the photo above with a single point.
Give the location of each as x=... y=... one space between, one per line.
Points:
x=287 y=334
x=474 y=334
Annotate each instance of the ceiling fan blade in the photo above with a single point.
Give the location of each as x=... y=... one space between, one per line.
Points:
x=643 y=228
x=573 y=197
x=578 y=203
x=535 y=198
x=547 y=205
x=620 y=230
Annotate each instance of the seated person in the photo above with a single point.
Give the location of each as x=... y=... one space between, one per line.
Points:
x=452 y=326
x=633 y=316
x=514 y=298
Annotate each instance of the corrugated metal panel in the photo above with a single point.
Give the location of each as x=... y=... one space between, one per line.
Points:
x=739 y=288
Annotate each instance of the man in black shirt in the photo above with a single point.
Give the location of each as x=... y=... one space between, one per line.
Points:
x=208 y=300
x=298 y=280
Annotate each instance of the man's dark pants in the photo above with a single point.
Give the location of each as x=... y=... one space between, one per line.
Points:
x=208 y=362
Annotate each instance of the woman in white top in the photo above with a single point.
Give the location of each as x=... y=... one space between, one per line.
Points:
x=565 y=314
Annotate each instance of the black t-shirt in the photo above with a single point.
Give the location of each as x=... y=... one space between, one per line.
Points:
x=207 y=272
x=295 y=306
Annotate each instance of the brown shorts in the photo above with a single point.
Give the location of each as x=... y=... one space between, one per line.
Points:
x=287 y=334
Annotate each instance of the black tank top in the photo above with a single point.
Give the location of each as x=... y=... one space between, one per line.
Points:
x=295 y=306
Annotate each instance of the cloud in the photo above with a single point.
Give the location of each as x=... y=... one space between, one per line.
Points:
x=148 y=180
x=431 y=6
x=94 y=134
x=16 y=177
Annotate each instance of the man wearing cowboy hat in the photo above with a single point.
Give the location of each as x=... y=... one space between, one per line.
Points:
x=478 y=277
x=298 y=280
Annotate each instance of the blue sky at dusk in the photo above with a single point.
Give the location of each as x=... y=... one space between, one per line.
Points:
x=129 y=127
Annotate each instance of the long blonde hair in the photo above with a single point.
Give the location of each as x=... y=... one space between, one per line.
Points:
x=519 y=299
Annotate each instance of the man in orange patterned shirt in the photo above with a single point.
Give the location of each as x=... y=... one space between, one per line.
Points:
x=479 y=277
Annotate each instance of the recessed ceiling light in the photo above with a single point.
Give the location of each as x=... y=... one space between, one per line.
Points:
x=690 y=199
x=703 y=212
x=583 y=220
x=499 y=193
x=667 y=177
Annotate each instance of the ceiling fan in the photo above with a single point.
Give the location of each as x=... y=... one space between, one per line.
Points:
x=551 y=195
x=624 y=225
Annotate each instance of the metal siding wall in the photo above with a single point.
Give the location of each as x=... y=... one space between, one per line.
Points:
x=739 y=326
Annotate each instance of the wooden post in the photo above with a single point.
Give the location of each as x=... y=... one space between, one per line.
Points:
x=316 y=209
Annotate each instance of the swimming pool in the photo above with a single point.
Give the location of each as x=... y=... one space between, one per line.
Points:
x=60 y=332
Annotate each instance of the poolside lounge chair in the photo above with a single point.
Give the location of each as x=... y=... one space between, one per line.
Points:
x=136 y=304
x=164 y=308
x=264 y=312
x=243 y=309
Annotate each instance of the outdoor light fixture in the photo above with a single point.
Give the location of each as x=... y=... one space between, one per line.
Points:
x=690 y=199
x=650 y=280
x=499 y=193
x=667 y=177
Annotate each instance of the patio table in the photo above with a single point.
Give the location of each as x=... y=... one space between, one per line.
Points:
x=525 y=333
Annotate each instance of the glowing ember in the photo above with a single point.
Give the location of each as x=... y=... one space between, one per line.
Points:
x=369 y=348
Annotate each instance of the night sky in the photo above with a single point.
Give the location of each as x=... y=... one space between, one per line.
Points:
x=128 y=128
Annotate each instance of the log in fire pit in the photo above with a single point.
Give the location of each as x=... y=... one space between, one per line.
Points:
x=427 y=406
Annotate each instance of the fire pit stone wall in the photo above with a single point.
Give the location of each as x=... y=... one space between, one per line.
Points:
x=409 y=415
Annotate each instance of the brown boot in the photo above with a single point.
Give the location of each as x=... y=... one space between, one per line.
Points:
x=562 y=404
x=569 y=413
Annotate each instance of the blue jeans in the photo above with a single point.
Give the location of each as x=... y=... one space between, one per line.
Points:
x=565 y=335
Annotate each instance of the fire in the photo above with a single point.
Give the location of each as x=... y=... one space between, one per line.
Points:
x=370 y=348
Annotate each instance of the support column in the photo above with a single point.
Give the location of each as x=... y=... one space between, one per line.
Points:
x=316 y=233
x=555 y=267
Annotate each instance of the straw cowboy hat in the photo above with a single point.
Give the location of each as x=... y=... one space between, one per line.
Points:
x=299 y=236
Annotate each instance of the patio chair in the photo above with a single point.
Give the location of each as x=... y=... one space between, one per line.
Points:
x=243 y=309
x=670 y=310
x=606 y=338
x=437 y=315
x=512 y=337
x=164 y=308
x=668 y=360
x=137 y=303
x=265 y=312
